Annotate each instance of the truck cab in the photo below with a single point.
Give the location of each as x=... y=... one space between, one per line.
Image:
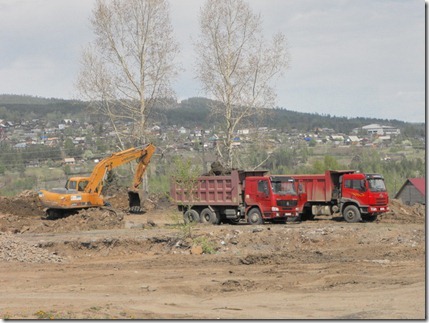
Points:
x=275 y=196
x=367 y=191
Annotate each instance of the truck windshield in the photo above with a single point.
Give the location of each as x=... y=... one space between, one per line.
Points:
x=376 y=185
x=283 y=186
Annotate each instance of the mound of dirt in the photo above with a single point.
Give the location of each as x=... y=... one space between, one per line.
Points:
x=84 y=220
x=13 y=248
x=25 y=204
x=403 y=213
x=118 y=198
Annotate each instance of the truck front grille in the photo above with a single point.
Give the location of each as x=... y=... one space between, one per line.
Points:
x=380 y=201
x=287 y=203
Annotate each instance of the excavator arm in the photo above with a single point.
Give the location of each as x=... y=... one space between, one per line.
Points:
x=133 y=195
x=144 y=160
x=142 y=154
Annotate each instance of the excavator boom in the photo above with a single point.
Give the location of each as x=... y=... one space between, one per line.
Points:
x=143 y=155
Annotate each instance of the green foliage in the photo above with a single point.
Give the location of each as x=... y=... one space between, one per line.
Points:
x=87 y=154
x=208 y=246
x=282 y=161
x=329 y=163
x=185 y=230
x=159 y=184
x=101 y=146
x=17 y=159
x=16 y=183
x=67 y=170
x=185 y=173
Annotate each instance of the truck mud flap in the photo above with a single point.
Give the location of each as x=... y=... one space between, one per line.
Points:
x=134 y=202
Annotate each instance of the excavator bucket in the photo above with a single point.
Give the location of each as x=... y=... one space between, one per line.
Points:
x=134 y=202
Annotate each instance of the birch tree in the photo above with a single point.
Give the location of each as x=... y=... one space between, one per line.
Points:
x=236 y=65
x=130 y=64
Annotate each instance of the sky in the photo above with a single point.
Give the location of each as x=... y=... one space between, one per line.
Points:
x=361 y=58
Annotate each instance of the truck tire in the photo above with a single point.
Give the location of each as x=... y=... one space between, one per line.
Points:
x=191 y=216
x=351 y=214
x=254 y=217
x=209 y=217
x=307 y=215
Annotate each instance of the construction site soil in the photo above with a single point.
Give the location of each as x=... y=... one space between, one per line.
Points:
x=99 y=264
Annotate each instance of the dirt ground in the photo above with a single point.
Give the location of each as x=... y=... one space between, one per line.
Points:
x=103 y=265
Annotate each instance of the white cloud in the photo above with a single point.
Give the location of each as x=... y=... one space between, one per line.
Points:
x=348 y=58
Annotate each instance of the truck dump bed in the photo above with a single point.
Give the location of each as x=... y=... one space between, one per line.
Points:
x=209 y=190
x=315 y=186
x=320 y=187
x=213 y=190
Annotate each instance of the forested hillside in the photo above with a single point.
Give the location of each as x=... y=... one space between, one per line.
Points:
x=193 y=112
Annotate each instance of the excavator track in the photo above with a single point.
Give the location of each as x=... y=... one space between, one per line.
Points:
x=54 y=214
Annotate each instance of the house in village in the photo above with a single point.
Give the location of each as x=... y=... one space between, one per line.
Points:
x=69 y=161
x=413 y=191
x=352 y=140
x=376 y=129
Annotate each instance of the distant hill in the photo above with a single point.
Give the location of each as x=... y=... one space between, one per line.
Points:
x=27 y=99
x=195 y=112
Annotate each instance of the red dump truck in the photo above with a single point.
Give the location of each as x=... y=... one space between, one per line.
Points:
x=249 y=196
x=356 y=196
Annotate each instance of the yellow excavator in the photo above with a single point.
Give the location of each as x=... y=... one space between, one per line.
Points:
x=85 y=192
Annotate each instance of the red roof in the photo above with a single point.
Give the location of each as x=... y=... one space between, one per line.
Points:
x=419 y=184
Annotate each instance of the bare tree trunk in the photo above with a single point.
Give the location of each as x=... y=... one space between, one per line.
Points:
x=235 y=65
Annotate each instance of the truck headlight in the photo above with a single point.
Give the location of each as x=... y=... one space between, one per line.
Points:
x=274 y=209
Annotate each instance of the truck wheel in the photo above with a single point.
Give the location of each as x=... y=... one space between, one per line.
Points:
x=307 y=215
x=254 y=217
x=191 y=216
x=351 y=214
x=208 y=216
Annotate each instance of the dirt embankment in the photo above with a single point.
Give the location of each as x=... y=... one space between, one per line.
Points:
x=103 y=264
x=24 y=213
